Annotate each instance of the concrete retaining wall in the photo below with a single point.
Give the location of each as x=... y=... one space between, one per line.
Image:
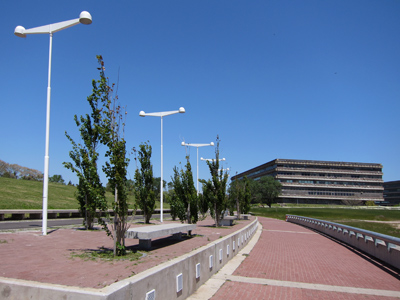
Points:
x=162 y=279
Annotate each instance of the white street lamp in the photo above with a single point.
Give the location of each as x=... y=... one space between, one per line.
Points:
x=212 y=159
x=161 y=114
x=84 y=18
x=197 y=145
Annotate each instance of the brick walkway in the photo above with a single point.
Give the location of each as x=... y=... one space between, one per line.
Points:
x=292 y=262
x=28 y=255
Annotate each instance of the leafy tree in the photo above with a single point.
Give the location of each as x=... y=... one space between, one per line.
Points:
x=144 y=183
x=239 y=196
x=214 y=189
x=56 y=179
x=129 y=186
x=104 y=126
x=176 y=206
x=90 y=192
x=268 y=189
x=245 y=205
x=203 y=206
x=113 y=130
x=157 y=186
x=18 y=172
x=185 y=193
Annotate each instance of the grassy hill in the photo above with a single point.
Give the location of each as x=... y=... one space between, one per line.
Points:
x=26 y=194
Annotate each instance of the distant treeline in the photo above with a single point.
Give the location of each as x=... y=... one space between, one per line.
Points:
x=18 y=172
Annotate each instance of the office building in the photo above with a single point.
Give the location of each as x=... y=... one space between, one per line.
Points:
x=322 y=182
x=391 y=193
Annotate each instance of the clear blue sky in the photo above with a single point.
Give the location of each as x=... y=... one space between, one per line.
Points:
x=312 y=79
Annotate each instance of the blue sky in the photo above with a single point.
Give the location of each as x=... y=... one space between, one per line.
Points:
x=310 y=79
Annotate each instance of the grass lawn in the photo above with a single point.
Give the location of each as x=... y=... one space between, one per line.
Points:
x=26 y=194
x=351 y=217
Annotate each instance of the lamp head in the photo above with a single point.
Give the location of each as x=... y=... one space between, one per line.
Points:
x=183 y=143
x=142 y=113
x=20 y=31
x=85 y=18
x=181 y=110
x=212 y=144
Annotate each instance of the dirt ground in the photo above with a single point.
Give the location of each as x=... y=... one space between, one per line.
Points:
x=29 y=255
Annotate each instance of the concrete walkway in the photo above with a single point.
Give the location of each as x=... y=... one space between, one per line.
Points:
x=287 y=261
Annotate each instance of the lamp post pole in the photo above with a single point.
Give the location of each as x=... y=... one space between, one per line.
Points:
x=84 y=18
x=197 y=146
x=161 y=114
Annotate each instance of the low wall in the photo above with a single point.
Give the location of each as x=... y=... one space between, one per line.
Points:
x=174 y=279
x=381 y=246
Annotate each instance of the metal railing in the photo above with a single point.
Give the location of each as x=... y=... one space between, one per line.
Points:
x=381 y=246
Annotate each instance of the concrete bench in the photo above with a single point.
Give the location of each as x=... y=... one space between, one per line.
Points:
x=146 y=233
x=245 y=216
x=227 y=221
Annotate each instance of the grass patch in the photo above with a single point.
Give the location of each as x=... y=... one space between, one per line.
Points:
x=329 y=214
x=27 y=194
x=107 y=255
x=3 y=242
x=382 y=228
x=345 y=216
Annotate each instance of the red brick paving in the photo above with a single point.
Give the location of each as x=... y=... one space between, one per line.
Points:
x=237 y=290
x=47 y=259
x=289 y=252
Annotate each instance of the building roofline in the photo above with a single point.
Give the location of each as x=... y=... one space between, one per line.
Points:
x=315 y=162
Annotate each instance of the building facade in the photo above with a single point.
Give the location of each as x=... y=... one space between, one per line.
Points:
x=391 y=193
x=322 y=182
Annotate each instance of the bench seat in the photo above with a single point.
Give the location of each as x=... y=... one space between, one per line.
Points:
x=227 y=221
x=146 y=233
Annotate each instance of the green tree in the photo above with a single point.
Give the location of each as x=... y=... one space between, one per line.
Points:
x=116 y=168
x=157 y=186
x=214 y=189
x=144 y=183
x=56 y=179
x=268 y=189
x=245 y=205
x=185 y=193
x=90 y=192
x=176 y=206
x=203 y=205
x=239 y=196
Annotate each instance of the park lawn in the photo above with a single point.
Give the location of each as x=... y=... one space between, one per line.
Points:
x=27 y=194
x=346 y=216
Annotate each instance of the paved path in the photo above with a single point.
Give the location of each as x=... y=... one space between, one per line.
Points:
x=291 y=262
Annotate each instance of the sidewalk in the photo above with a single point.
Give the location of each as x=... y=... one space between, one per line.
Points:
x=291 y=262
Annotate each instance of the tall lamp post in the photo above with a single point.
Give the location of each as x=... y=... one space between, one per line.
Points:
x=212 y=159
x=197 y=146
x=162 y=114
x=86 y=19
